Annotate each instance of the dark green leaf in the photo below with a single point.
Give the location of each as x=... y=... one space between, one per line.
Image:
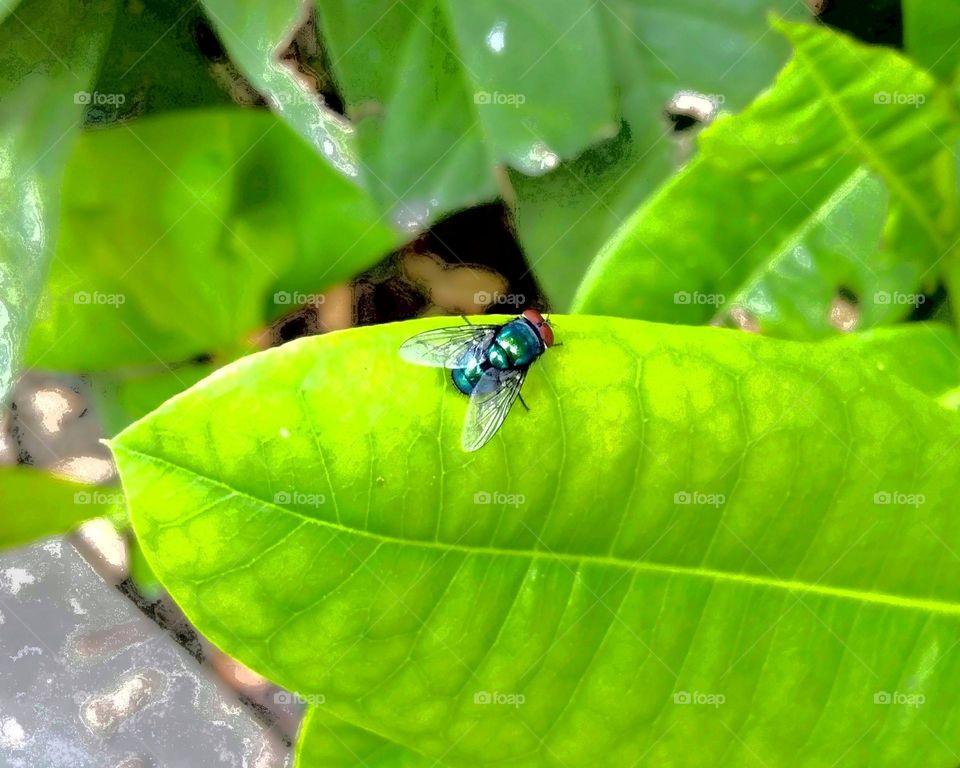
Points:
x=444 y=91
x=931 y=32
x=154 y=63
x=49 y=54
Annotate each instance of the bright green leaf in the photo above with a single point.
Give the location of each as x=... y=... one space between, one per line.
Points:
x=142 y=574
x=805 y=215
x=185 y=232
x=35 y=504
x=923 y=355
x=838 y=246
x=326 y=742
x=40 y=79
x=771 y=522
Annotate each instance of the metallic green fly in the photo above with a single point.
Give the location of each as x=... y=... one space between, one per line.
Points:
x=487 y=362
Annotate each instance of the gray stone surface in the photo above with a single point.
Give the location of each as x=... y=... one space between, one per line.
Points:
x=88 y=681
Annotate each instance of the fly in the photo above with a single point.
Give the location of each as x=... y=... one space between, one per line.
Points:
x=487 y=362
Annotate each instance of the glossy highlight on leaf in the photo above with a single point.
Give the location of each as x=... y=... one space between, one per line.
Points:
x=717 y=561
x=255 y=32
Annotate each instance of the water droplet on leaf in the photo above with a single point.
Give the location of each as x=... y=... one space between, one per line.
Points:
x=497 y=37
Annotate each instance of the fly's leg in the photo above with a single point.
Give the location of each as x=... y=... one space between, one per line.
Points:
x=466 y=319
x=522 y=402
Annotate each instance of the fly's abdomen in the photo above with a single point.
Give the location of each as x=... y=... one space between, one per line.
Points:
x=465 y=379
x=516 y=345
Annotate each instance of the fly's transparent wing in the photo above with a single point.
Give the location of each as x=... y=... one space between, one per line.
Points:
x=489 y=405
x=446 y=347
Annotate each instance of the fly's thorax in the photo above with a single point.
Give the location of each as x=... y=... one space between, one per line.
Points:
x=465 y=378
x=515 y=345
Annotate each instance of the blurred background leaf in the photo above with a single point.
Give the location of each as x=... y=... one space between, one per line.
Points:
x=655 y=52
x=444 y=92
x=931 y=31
x=36 y=504
x=255 y=33
x=162 y=56
x=233 y=203
x=43 y=82
x=530 y=105
x=781 y=213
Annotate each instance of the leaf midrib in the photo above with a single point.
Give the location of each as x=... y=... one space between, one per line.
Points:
x=869 y=152
x=787 y=585
x=783 y=248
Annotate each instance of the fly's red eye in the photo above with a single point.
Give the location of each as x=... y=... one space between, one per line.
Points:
x=542 y=326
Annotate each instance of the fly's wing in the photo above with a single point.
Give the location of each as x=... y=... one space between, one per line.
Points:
x=446 y=347
x=489 y=405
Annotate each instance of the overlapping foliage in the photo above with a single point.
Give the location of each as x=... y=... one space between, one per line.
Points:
x=699 y=547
